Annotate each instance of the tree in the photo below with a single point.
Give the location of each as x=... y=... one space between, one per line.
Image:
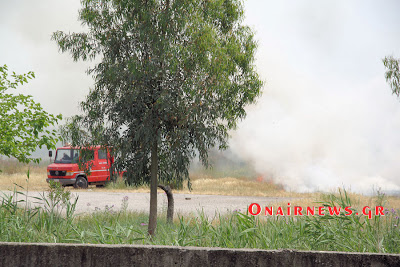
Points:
x=392 y=74
x=23 y=122
x=174 y=78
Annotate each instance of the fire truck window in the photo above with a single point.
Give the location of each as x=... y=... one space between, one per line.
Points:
x=87 y=155
x=63 y=156
x=75 y=157
x=102 y=154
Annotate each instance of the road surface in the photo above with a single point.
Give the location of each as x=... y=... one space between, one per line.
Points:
x=184 y=203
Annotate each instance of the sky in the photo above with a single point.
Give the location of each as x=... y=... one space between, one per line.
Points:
x=326 y=118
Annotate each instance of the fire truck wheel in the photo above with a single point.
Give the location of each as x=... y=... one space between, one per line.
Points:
x=81 y=182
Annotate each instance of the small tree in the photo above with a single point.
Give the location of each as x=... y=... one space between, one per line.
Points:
x=392 y=74
x=174 y=78
x=23 y=122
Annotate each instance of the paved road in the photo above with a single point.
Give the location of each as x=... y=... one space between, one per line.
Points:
x=184 y=203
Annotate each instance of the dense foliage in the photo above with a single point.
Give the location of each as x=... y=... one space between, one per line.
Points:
x=174 y=73
x=23 y=122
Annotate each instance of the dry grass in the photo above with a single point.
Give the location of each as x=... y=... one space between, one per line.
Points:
x=14 y=172
x=37 y=181
x=229 y=186
x=237 y=187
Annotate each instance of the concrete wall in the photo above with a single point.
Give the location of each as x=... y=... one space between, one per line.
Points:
x=24 y=254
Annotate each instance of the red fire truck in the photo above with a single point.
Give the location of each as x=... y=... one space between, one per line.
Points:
x=65 y=168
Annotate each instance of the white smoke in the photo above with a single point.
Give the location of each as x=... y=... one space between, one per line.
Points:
x=327 y=118
x=308 y=137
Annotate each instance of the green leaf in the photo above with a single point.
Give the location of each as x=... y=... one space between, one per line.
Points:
x=20 y=128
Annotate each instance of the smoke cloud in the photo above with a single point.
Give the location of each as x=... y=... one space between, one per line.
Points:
x=310 y=138
x=327 y=118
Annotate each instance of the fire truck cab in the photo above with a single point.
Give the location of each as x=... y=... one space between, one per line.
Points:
x=66 y=171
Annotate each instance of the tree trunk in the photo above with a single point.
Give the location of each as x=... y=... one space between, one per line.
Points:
x=170 y=197
x=153 y=190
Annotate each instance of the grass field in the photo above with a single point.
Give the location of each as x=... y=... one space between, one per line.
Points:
x=236 y=230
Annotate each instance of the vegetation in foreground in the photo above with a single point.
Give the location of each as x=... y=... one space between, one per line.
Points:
x=55 y=222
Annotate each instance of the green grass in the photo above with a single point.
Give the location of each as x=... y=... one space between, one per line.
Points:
x=56 y=222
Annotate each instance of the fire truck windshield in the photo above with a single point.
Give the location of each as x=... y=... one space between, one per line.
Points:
x=67 y=156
